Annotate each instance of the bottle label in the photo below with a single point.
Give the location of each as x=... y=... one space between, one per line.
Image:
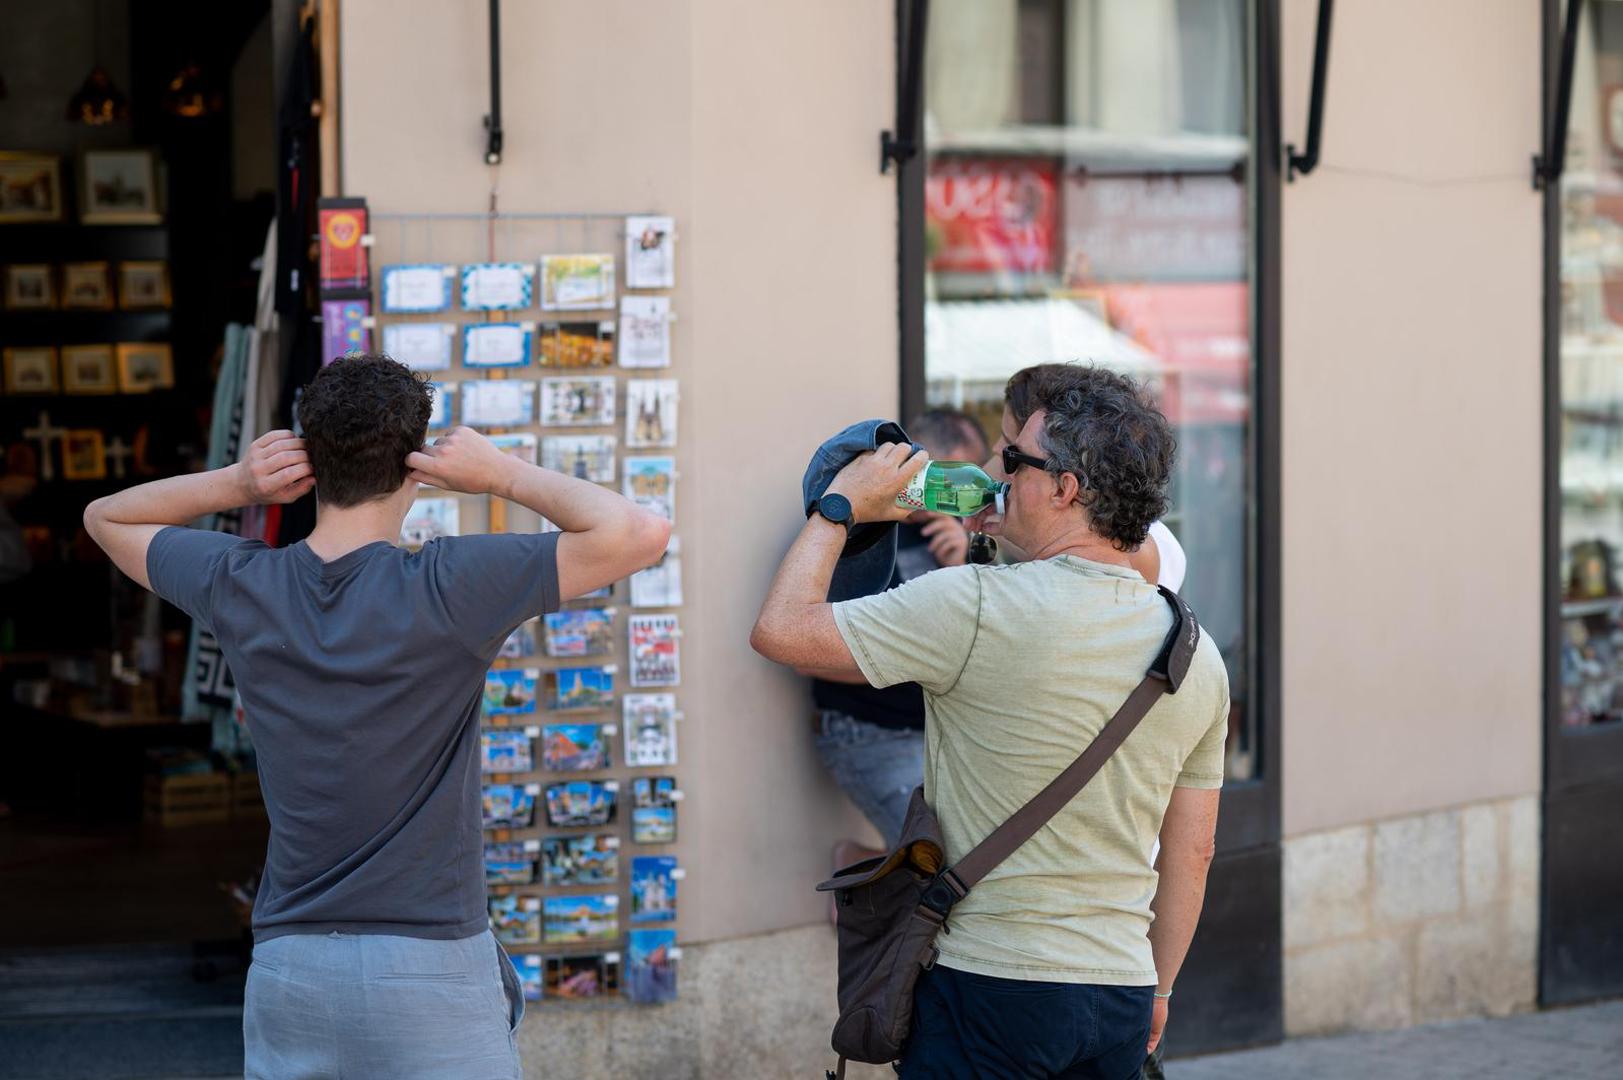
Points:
x=912 y=496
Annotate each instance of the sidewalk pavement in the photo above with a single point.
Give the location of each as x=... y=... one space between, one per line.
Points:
x=1580 y=1043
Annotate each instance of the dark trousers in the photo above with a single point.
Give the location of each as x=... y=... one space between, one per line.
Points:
x=976 y=1026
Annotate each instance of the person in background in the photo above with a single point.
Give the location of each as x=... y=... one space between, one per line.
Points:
x=1062 y=960
x=361 y=667
x=871 y=741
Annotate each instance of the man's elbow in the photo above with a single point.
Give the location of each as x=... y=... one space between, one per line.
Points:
x=765 y=639
x=95 y=518
x=649 y=534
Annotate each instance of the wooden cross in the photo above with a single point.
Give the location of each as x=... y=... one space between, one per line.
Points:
x=118 y=452
x=46 y=435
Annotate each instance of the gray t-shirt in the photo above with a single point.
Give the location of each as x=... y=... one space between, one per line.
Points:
x=361 y=681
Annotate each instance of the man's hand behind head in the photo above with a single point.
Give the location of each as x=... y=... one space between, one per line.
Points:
x=463 y=461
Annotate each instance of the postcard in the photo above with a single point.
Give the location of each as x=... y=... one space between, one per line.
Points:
x=498 y=402
x=421 y=346
x=651 y=483
x=571 y=919
x=656 y=654
x=417 y=287
x=509 y=806
x=443 y=409
x=511 y=863
x=516 y=920
x=653 y=813
x=651 y=957
x=342 y=226
x=574 y=747
x=530 y=976
x=577 y=344
x=645 y=331
x=577 y=282
x=427 y=520
x=651 y=413
x=498 y=286
x=653 y=888
x=572 y=978
x=660 y=585
x=592 y=859
x=586 y=401
x=585 y=457
x=343 y=328
x=586 y=632
x=520 y=644
x=510 y=692
x=521 y=446
x=505 y=750
x=580 y=687
x=496 y=344
x=581 y=802
x=650 y=723
x=650 y=253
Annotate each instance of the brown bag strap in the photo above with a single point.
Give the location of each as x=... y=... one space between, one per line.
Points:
x=1164 y=677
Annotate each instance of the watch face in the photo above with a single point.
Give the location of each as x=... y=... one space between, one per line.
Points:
x=837 y=508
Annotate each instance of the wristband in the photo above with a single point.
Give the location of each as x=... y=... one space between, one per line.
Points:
x=1164 y=996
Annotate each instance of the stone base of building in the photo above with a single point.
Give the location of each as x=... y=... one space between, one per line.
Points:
x=1401 y=922
x=760 y=1007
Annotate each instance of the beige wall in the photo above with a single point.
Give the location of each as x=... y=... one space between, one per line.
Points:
x=1411 y=440
x=756 y=126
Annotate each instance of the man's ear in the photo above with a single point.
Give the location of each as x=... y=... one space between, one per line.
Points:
x=1067 y=490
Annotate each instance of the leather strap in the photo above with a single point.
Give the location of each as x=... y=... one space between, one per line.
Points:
x=1164 y=676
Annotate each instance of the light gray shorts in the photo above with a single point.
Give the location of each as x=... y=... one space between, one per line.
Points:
x=375 y=1005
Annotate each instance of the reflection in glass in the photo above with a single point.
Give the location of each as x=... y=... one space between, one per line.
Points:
x=1088 y=200
x=1592 y=377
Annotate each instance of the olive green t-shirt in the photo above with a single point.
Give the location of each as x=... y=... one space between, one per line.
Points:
x=1021 y=667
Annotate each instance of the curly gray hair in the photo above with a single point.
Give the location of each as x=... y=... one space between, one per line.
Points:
x=1103 y=429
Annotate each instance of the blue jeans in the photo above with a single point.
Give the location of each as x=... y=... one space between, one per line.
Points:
x=876 y=767
x=976 y=1027
x=321 y=1006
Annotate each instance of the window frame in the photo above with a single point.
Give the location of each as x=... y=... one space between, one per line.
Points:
x=1250 y=816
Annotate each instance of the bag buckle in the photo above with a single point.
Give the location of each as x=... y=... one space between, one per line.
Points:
x=942 y=893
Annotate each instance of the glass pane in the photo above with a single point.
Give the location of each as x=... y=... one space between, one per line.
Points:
x=1088 y=199
x=1592 y=378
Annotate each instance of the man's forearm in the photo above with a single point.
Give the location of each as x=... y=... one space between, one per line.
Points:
x=807 y=570
x=175 y=500
x=1178 y=900
x=572 y=505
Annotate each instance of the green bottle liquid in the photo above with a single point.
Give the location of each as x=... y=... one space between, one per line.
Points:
x=959 y=488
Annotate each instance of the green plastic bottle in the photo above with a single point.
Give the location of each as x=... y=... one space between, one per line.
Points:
x=959 y=488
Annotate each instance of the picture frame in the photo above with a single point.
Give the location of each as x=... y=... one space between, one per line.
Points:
x=87 y=286
x=30 y=287
x=143 y=285
x=119 y=187
x=30 y=369
x=30 y=188
x=145 y=366
x=89 y=369
x=84 y=455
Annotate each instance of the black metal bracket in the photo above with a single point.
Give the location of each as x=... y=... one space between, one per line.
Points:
x=493 y=119
x=1306 y=161
x=902 y=144
x=1552 y=162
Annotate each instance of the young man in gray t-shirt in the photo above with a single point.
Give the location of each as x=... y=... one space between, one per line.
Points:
x=361 y=667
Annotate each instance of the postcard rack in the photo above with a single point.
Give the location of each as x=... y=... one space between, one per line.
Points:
x=535 y=329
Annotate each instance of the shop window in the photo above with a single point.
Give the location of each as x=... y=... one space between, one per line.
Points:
x=1591 y=379
x=1088 y=197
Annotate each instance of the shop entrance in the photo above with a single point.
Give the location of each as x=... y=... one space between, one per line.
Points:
x=137 y=177
x=1581 y=924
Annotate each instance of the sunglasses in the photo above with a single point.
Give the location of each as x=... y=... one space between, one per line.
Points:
x=1014 y=457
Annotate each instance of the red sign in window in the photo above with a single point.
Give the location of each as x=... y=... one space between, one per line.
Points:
x=991 y=215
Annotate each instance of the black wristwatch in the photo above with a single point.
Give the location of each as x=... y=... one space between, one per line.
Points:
x=837 y=508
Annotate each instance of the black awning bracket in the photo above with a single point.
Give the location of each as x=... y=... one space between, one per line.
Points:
x=901 y=145
x=1306 y=161
x=1551 y=162
x=493 y=119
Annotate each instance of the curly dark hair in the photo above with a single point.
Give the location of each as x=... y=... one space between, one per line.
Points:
x=1103 y=429
x=361 y=416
